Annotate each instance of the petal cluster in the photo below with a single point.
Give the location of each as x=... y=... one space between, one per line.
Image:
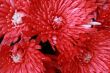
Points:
x=54 y=36
x=92 y=57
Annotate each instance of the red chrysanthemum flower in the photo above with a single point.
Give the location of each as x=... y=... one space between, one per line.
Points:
x=54 y=36
x=103 y=14
x=22 y=58
x=14 y=21
x=92 y=57
x=60 y=19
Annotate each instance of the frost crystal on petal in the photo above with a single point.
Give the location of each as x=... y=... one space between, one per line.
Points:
x=87 y=58
x=57 y=20
x=17 y=18
x=87 y=26
x=16 y=58
x=54 y=39
x=95 y=23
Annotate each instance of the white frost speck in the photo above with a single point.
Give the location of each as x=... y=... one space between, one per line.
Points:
x=57 y=20
x=87 y=58
x=90 y=24
x=87 y=26
x=54 y=38
x=95 y=23
x=16 y=58
x=17 y=18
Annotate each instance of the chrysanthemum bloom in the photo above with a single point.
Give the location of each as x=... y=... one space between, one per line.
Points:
x=92 y=57
x=22 y=58
x=14 y=20
x=103 y=14
x=65 y=24
x=62 y=20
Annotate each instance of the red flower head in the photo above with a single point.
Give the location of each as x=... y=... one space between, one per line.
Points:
x=29 y=28
x=103 y=14
x=58 y=19
x=93 y=57
x=21 y=58
x=14 y=20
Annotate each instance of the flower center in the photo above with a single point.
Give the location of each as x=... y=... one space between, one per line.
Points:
x=16 y=58
x=57 y=22
x=84 y=57
x=17 y=18
x=87 y=58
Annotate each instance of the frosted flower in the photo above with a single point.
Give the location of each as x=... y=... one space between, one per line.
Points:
x=22 y=58
x=54 y=36
x=94 y=57
x=14 y=21
x=61 y=18
x=103 y=14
